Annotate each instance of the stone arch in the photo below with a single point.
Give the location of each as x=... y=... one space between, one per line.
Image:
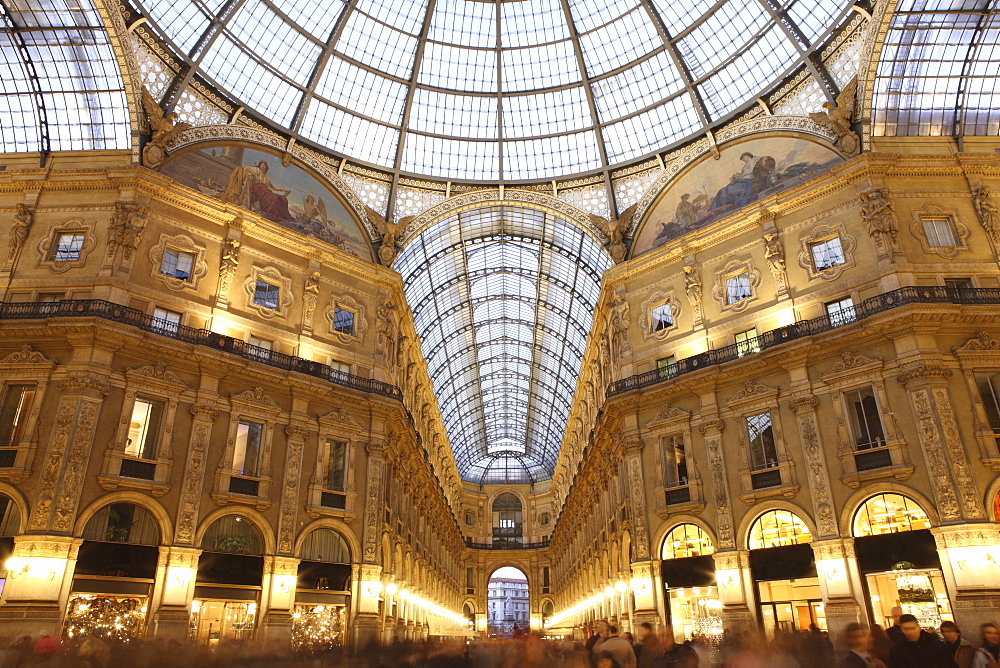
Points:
x=992 y=500
x=856 y=500
x=664 y=530
x=146 y=503
x=506 y=197
x=519 y=564
x=335 y=525
x=743 y=535
x=258 y=520
x=15 y=495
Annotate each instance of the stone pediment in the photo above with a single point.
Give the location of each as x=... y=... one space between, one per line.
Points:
x=341 y=418
x=255 y=397
x=982 y=343
x=157 y=372
x=851 y=362
x=669 y=414
x=753 y=390
x=28 y=355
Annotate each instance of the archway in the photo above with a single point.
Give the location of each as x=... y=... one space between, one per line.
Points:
x=322 y=597
x=507 y=603
x=507 y=521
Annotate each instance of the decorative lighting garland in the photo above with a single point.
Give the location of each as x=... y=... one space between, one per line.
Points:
x=105 y=617
x=317 y=626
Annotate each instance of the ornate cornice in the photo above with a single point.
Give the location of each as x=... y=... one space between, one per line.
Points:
x=923 y=371
x=982 y=343
x=155 y=371
x=28 y=355
x=76 y=383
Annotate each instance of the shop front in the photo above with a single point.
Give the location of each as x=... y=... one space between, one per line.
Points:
x=10 y=526
x=113 y=580
x=322 y=596
x=784 y=575
x=899 y=561
x=688 y=572
x=228 y=586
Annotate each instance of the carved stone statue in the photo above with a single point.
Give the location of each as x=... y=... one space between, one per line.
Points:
x=615 y=229
x=620 y=347
x=880 y=219
x=18 y=230
x=385 y=330
x=989 y=215
x=126 y=226
x=775 y=256
x=163 y=128
x=310 y=295
x=838 y=117
x=227 y=269
x=692 y=288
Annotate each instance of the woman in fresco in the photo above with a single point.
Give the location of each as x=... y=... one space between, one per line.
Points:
x=251 y=187
x=746 y=185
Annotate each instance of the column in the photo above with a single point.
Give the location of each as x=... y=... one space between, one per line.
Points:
x=277 y=598
x=735 y=584
x=39 y=578
x=971 y=569
x=839 y=583
x=367 y=622
x=643 y=567
x=174 y=591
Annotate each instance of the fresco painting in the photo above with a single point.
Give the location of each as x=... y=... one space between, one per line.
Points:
x=257 y=181
x=744 y=173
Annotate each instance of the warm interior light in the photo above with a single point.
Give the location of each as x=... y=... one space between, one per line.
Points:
x=391 y=588
x=621 y=586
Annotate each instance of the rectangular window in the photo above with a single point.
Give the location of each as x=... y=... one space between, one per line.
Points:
x=144 y=428
x=177 y=263
x=763 y=453
x=738 y=288
x=468 y=519
x=826 y=254
x=665 y=366
x=661 y=317
x=989 y=390
x=746 y=342
x=266 y=294
x=343 y=321
x=675 y=470
x=67 y=247
x=866 y=423
x=546 y=580
x=939 y=232
x=14 y=411
x=545 y=519
x=841 y=312
x=336 y=478
x=166 y=322
x=470 y=581
x=246 y=456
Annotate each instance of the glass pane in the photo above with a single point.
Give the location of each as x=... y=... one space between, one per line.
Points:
x=14 y=413
x=247 y=449
x=144 y=429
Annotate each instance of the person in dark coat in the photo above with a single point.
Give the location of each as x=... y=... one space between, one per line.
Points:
x=919 y=649
x=859 y=639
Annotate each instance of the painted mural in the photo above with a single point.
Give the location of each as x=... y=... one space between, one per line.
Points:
x=257 y=181
x=745 y=172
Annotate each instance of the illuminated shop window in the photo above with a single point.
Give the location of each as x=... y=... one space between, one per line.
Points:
x=889 y=513
x=777 y=528
x=686 y=540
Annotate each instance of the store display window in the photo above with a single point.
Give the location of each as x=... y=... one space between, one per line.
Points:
x=118 y=618
x=318 y=627
x=696 y=611
x=686 y=540
x=778 y=528
x=213 y=622
x=791 y=605
x=889 y=513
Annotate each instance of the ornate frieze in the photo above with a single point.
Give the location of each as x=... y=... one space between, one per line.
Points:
x=194 y=472
x=937 y=464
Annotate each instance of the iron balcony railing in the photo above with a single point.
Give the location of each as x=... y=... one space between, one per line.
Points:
x=506 y=545
x=99 y=308
x=804 y=328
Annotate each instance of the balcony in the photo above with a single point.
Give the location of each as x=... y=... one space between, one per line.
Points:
x=99 y=308
x=805 y=328
x=505 y=544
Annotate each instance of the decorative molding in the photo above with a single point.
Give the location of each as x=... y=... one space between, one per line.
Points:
x=341 y=418
x=74 y=384
x=669 y=414
x=982 y=343
x=933 y=449
x=28 y=355
x=44 y=246
x=879 y=216
x=753 y=390
x=733 y=268
x=272 y=276
x=156 y=371
x=923 y=371
x=959 y=231
x=183 y=243
x=850 y=361
x=820 y=233
x=347 y=303
x=810 y=401
x=256 y=397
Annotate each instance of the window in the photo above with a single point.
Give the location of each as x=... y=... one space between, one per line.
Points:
x=507 y=520
x=686 y=540
x=343 y=321
x=747 y=343
x=166 y=322
x=661 y=317
x=989 y=390
x=470 y=582
x=468 y=519
x=675 y=468
x=763 y=454
x=841 y=312
x=177 y=264
x=866 y=423
x=260 y=349
x=545 y=519
x=827 y=253
x=14 y=410
x=665 y=366
x=777 y=528
x=68 y=247
x=889 y=513
x=336 y=478
x=738 y=288
x=958 y=283
x=546 y=581
x=266 y=294
x=939 y=232
x=246 y=456
x=144 y=428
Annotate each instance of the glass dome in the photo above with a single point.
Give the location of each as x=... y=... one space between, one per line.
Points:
x=500 y=89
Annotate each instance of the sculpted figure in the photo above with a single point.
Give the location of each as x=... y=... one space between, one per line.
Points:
x=989 y=215
x=838 y=117
x=163 y=127
x=18 y=230
x=774 y=254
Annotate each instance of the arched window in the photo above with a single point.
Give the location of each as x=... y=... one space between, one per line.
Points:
x=777 y=528
x=10 y=517
x=889 y=513
x=325 y=545
x=507 y=519
x=233 y=534
x=123 y=523
x=686 y=540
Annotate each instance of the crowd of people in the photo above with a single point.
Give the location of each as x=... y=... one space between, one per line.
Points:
x=903 y=645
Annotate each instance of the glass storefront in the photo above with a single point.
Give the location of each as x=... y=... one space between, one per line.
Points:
x=318 y=627
x=919 y=592
x=213 y=622
x=791 y=605
x=696 y=611
x=105 y=616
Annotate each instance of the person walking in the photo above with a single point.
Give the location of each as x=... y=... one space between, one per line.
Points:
x=988 y=656
x=860 y=640
x=918 y=648
x=961 y=649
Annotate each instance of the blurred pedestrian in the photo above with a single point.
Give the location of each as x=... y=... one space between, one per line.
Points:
x=918 y=649
x=961 y=649
x=988 y=656
x=861 y=643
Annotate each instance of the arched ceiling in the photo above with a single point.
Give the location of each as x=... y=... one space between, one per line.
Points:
x=503 y=299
